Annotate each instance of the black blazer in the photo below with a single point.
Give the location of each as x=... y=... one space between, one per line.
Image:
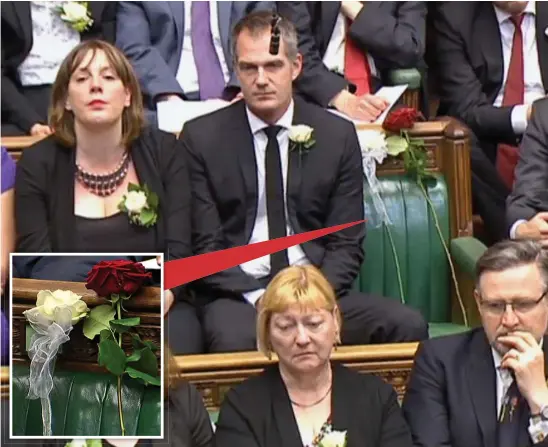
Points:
x=530 y=193
x=469 y=65
x=393 y=33
x=17 y=43
x=324 y=188
x=44 y=194
x=258 y=412
x=451 y=396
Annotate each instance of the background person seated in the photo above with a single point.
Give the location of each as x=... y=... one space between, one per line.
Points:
x=181 y=51
x=491 y=59
x=349 y=46
x=69 y=186
x=304 y=396
x=527 y=214
x=487 y=387
x=261 y=187
x=36 y=37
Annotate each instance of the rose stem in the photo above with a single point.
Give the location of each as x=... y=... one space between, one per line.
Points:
x=119 y=312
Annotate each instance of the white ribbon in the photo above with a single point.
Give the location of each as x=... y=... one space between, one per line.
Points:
x=373 y=147
x=45 y=343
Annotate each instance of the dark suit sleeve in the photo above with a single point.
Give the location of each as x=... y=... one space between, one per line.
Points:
x=530 y=193
x=108 y=22
x=15 y=107
x=31 y=213
x=233 y=427
x=398 y=38
x=315 y=81
x=460 y=89
x=207 y=232
x=133 y=38
x=344 y=249
x=394 y=430
x=424 y=403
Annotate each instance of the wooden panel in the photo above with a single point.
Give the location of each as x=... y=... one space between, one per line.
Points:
x=80 y=352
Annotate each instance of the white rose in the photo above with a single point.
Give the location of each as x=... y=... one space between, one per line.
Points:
x=47 y=302
x=334 y=439
x=135 y=201
x=74 y=12
x=300 y=133
x=371 y=140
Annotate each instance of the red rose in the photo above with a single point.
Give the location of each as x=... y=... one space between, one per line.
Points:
x=400 y=119
x=108 y=277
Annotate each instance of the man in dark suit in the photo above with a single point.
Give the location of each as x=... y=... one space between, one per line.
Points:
x=492 y=64
x=487 y=387
x=161 y=40
x=252 y=181
x=527 y=214
x=35 y=40
x=349 y=46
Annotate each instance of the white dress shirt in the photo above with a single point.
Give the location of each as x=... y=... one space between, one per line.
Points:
x=52 y=41
x=531 y=75
x=333 y=58
x=260 y=268
x=504 y=381
x=187 y=75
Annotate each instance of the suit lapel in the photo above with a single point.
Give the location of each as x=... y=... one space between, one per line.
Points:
x=481 y=378
x=487 y=35
x=296 y=161
x=21 y=11
x=178 y=11
x=328 y=18
x=283 y=415
x=542 y=40
x=241 y=139
x=341 y=396
x=96 y=10
x=65 y=168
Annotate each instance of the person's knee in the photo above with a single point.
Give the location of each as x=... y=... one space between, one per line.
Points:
x=410 y=325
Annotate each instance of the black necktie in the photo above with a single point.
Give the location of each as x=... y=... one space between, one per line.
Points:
x=275 y=208
x=510 y=420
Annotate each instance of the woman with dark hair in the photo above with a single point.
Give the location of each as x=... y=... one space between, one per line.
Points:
x=103 y=182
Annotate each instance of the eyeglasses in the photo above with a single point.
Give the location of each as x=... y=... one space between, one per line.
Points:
x=520 y=306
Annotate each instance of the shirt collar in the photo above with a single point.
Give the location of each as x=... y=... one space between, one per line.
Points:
x=256 y=124
x=530 y=8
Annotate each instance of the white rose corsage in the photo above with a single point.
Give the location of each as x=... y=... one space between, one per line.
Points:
x=333 y=438
x=301 y=137
x=77 y=15
x=141 y=205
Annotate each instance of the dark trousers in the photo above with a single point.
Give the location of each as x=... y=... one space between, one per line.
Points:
x=229 y=324
x=489 y=193
x=39 y=99
x=183 y=329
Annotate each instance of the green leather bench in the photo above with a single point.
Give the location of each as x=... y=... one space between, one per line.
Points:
x=85 y=404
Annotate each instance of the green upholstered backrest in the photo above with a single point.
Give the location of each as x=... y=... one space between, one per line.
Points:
x=85 y=404
x=422 y=262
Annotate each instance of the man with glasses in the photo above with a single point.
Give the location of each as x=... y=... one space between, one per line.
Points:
x=487 y=387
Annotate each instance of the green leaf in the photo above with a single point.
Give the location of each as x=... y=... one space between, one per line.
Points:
x=147 y=216
x=98 y=320
x=124 y=324
x=106 y=335
x=153 y=200
x=135 y=356
x=147 y=362
x=112 y=357
x=395 y=145
x=135 y=374
x=133 y=187
x=138 y=343
x=122 y=205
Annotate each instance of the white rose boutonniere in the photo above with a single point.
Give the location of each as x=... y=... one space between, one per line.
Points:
x=77 y=15
x=141 y=205
x=301 y=137
x=333 y=439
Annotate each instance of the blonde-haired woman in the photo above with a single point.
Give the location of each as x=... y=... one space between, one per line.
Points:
x=306 y=398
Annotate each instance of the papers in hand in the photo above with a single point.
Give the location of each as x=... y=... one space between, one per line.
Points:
x=151 y=264
x=173 y=114
x=391 y=94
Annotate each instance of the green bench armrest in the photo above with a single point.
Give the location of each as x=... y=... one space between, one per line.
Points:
x=466 y=251
x=410 y=76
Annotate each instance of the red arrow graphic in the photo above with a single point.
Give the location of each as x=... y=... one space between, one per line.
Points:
x=182 y=271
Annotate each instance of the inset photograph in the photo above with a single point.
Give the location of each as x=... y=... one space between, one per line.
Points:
x=86 y=346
